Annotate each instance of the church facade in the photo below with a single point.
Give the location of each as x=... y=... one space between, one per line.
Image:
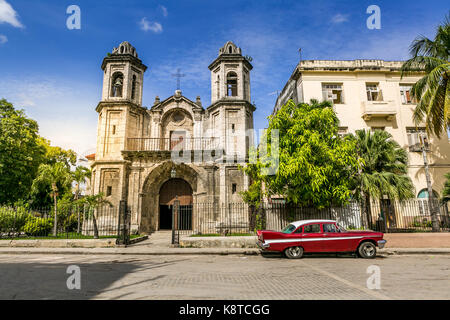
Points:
x=176 y=149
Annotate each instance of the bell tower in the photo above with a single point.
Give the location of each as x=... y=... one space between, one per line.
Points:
x=120 y=116
x=230 y=75
x=123 y=75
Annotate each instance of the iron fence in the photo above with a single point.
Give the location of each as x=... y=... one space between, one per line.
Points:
x=212 y=219
x=239 y=218
x=73 y=222
x=406 y=216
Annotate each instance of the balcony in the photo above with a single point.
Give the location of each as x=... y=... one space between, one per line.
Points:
x=168 y=144
x=378 y=109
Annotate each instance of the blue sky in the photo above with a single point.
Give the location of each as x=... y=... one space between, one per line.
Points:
x=54 y=73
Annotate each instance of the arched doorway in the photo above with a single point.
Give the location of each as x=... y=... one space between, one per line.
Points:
x=171 y=190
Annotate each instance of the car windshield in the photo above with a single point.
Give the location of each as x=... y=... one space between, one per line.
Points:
x=289 y=229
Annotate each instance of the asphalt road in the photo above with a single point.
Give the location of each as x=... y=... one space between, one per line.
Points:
x=224 y=277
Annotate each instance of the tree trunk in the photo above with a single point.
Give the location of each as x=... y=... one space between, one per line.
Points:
x=94 y=222
x=55 y=227
x=433 y=211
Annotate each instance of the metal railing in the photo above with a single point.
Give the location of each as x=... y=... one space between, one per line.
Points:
x=169 y=144
x=239 y=218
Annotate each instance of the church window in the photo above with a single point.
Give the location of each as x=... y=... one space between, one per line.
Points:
x=133 y=88
x=230 y=49
x=108 y=191
x=117 y=85
x=232 y=84
x=218 y=87
x=233 y=188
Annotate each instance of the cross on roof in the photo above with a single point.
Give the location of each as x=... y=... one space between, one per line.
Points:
x=178 y=75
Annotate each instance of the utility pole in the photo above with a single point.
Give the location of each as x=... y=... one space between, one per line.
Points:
x=431 y=204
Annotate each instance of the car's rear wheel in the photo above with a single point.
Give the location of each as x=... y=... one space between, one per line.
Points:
x=367 y=250
x=294 y=252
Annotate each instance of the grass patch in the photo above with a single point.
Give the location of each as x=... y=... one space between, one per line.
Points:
x=70 y=236
x=220 y=235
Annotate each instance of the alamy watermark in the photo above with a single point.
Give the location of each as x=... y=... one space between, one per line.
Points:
x=374 y=20
x=73 y=22
x=374 y=280
x=74 y=280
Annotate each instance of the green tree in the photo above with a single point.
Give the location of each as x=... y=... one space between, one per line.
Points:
x=20 y=153
x=58 y=179
x=93 y=202
x=315 y=163
x=446 y=191
x=79 y=176
x=385 y=167
x=433 y=90
x=55 y=154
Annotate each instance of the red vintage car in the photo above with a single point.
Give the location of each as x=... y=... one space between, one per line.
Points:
x=320 y=236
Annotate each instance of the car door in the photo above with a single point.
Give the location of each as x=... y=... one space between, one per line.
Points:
x=312 y=237
x=334 y=240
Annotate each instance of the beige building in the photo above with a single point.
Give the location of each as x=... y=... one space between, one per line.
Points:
x=175 y=149
x=371 y=94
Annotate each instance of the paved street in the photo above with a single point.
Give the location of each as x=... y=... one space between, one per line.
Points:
x=223 y=277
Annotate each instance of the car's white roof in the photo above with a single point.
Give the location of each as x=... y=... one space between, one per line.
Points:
x=302 y=222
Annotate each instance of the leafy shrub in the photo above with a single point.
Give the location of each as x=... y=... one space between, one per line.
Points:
x=421 y=223
x=38 y=226
x=13 y=220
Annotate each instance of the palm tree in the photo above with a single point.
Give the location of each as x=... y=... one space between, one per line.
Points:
x=79 y=176
x=433 y=90
x=93 y=202
x=53 y=175
x=446 y=191
x=384 y=168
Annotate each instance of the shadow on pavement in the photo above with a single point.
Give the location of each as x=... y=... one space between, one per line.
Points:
x=48 y=281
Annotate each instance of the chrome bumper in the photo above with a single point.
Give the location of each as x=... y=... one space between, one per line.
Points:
x=381 y=243
x=262 y=245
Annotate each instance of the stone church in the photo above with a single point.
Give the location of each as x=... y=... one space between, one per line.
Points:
x=175 y=149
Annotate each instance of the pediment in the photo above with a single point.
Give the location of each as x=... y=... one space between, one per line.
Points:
x=176 y=101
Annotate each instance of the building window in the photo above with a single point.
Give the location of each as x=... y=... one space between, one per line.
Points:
x=117 y=85
x=232 y=84
x=218 y=87
x=233 y=188
x=113 y=129
x=133 y=88
x=405 y=93
x=232 y=128
x=416 y=139
x=373 y=92
x=108 y=191
x=373 y=129
x=333 y=93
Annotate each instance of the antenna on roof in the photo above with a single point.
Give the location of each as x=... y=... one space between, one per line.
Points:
x=300 y=53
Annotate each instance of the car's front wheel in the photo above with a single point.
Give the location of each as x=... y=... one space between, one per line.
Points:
x=367 y=250
x=293 y=252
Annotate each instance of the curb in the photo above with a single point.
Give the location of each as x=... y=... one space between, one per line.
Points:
x=120 y=251
x=194 y=251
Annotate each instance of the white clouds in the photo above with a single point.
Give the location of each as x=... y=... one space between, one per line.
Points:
x=164 y=10
x=150 y=26
x=339 y=18
x=27 y=91
x=3 y=39
x=9 y=15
